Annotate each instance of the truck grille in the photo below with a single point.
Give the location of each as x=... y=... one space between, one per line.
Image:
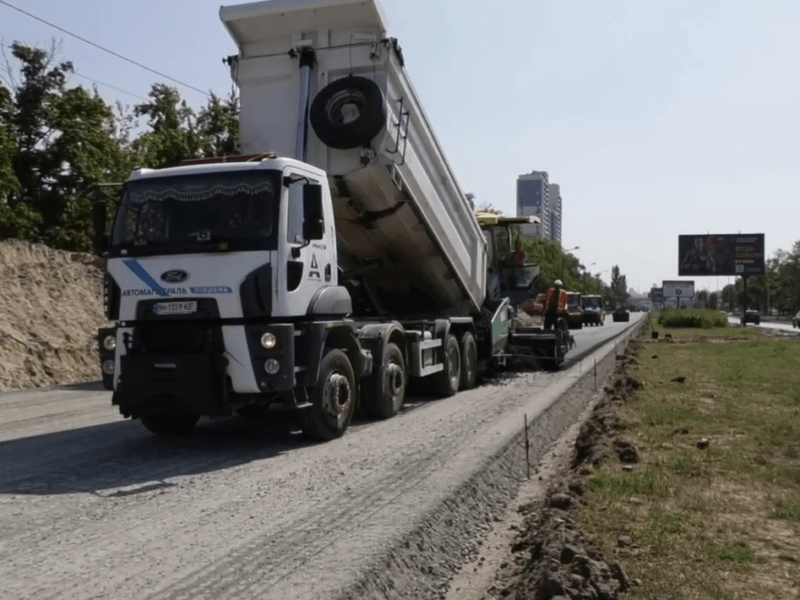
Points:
x=180 y=338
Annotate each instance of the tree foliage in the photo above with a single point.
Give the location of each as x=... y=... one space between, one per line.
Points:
x=618 y=292
x=777 y=290
x=554 y=264
x=58 y=141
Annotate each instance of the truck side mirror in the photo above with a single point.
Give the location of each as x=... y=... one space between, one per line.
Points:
x=99 y=220
x=313 y=223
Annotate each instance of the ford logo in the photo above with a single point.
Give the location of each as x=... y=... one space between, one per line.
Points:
x=174 y=276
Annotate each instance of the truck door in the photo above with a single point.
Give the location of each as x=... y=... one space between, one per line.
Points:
x=307 y=265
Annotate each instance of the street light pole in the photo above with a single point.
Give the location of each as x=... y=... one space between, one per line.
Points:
x=585 y=276
x=563 y=254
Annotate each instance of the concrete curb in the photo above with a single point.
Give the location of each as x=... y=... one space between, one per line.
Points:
x=464 y=496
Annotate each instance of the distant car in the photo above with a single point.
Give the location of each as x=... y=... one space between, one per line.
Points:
x=751 y=316
x=621 y=314
x=796 y=320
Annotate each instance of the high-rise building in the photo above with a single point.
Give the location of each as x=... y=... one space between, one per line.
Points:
x=555 y=212
x=537 y=196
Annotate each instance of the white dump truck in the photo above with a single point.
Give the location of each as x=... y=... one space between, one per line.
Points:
x=331 y=262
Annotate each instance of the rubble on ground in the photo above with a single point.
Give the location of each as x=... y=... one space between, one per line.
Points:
x=554 y=560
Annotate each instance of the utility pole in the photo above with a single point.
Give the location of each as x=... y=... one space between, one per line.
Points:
x=563 y=254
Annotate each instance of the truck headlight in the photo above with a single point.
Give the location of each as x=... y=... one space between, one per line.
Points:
x=109 y=342
x=272 y=366
x=268 y=341
x=108 y=367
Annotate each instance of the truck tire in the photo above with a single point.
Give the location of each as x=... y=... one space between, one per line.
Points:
x=333 y=398
x=446 y=381
x=383 y=393
x=553 y=358
x=329 y=113
x=469 y=361
x=169 y=425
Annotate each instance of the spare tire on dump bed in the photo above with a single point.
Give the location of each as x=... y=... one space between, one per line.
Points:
x=348 y=113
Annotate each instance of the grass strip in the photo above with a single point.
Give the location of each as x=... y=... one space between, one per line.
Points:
x=712 y=510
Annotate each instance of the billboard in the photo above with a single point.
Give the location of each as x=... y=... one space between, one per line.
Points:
x=724 y=254
x=678 y=289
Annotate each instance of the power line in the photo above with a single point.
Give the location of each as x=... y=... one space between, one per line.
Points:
x=108 y=85
x=104 y=49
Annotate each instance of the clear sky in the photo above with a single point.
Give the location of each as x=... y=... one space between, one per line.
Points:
x=657 y=118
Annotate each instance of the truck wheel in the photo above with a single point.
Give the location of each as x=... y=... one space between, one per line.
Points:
x=348 y=113
x=469 y=361
x=553 y=358
x=384 y=392
x=446 y=381
x=169 y=424
x=333 y=399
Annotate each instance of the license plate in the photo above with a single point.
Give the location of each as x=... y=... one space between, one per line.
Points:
x=175 y=308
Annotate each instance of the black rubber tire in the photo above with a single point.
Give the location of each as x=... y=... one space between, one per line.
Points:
x=551 y=358
x=446 y=381
x=327 y=116
x=333 y=398
x=169 y=425
x=384 y=392
x=469 y=361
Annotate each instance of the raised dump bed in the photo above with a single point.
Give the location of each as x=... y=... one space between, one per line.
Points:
x=320 y=80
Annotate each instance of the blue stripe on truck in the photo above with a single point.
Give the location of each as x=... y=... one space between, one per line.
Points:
x=139 y=271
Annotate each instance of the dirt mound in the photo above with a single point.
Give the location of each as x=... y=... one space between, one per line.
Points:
x=554 y=559
x=52 y=305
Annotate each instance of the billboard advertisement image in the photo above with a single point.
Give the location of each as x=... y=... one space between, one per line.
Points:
x=739 y=254
x=677 y=289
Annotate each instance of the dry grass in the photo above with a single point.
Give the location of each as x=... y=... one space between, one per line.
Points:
x=720 y=522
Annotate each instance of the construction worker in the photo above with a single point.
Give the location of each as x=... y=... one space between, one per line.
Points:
x=555 y=304
x=516 y=260
x=518 y=256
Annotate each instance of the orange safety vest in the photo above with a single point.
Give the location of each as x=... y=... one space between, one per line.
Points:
x=562 y=301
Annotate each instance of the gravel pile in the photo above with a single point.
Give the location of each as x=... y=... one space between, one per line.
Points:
x=50 y=309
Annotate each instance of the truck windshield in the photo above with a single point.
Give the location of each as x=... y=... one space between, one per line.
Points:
x=198 y=213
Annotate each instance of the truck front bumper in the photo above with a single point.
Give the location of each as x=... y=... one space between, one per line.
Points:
x=172 y=385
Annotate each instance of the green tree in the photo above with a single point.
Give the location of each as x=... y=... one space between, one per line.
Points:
x=9 y=183
x=547 y=255
x=218 y=123
x=784 y=280
x=64 y=144
x=174 y=134
x=32 y=94
x=618 y=293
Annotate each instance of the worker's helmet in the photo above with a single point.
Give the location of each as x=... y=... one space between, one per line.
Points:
x=558 y=282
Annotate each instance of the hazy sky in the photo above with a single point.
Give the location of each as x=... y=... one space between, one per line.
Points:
x=657 y=118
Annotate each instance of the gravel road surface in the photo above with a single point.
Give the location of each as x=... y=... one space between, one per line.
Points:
x=95 y=507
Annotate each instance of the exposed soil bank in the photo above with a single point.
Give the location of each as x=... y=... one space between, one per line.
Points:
x=50 y=309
